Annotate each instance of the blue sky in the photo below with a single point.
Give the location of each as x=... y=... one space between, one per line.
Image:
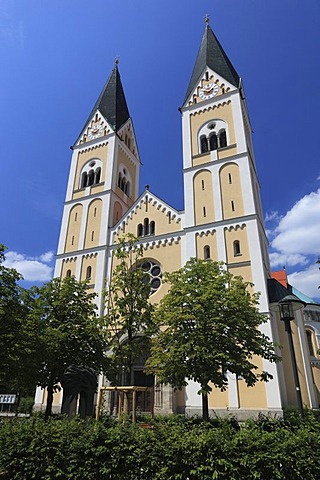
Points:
x=55 y=59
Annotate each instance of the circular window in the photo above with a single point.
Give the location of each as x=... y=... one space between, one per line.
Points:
x=92 y=164
x=153 y=274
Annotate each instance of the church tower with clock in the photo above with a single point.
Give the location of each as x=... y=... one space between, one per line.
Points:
x=222 y=219
x=103 y=184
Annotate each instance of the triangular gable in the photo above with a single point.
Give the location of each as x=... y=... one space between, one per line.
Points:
x=96 y=127
x=148 y=206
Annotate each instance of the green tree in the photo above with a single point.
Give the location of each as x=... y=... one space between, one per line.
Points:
x=17 y=339
x=68 y=331
x=128 y=322
x=209 y=324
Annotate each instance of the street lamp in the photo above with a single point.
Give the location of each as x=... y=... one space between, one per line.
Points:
x=287 y=306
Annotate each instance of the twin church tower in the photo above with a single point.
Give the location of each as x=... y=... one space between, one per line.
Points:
x=222 y=217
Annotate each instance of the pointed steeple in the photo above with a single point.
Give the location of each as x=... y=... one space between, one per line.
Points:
x=112 y=101
x=212 y=55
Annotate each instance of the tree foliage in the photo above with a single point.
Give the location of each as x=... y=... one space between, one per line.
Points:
x=209 y=324
x=128 y=322
x=173 y=449
x=17 y=338
x=68 y=331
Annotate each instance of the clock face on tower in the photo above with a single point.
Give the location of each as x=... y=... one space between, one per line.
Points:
x=95 y=131
x=208 y=91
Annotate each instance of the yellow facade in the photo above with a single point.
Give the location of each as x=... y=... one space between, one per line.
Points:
x=74 y=225
x=221 y=111
x=203 y=197
x=93 y=224
x=87 y=155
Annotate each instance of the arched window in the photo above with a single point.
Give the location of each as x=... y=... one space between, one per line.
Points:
x=152 y=228
x=97 y=175
x=206 y=252
x=123 y=184
x=140 y=230
x=68 y=273
x=236 y=247
x=119 y=180
x=84 y=180
x=127 y=189
x=213 y=135
x=146 y=226
x=310 y=344
x=88 y=273
x=90 y=178
x=213 y=141
x=203 y=144
x=222 y=139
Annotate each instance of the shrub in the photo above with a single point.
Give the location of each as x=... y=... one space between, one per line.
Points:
x=170 y=448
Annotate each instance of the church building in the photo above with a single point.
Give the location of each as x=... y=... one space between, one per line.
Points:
x=222 y=220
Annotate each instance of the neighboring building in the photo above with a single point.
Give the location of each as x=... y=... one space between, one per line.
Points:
x=222 y=218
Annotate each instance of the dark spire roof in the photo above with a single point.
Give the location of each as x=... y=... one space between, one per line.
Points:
x=212 y=55
x=112 y=101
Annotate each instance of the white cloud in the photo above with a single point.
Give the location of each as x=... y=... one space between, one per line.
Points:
x=298 y=231
x=46 y=257
x=284 y=259
x=32 y=269
x=272 y=216
x=307 y=281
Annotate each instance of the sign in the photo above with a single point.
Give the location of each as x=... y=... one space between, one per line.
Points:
x=7 y=398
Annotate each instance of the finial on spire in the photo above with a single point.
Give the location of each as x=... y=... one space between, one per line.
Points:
x=147 y=187
x=207 y=19
x=116 y=60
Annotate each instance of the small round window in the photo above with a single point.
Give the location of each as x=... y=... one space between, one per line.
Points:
x=153 y=274
x=92 y=164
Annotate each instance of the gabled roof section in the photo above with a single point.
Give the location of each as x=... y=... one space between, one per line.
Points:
x=153 y=200
x=212 y=55
x=112 y=102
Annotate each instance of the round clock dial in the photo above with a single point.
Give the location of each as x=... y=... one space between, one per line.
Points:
x=208 y=91
x=95 y=131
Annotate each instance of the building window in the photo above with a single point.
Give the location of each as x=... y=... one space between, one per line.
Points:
x=213 y=135
x=213 y=141
x=230 y=178
x=140 y=230
x=204 y=144
x=236 y=248
x=153 y=274
x=97 y=175
x=88 y=273
x=148 y=228
x=202 y=184
x=206 y=252
x=68 y=273
x=310 y=344
x=90 y=178
x=222 y=139
x=124 y=183
x=232 y=205
x=84 y=180
x=119 y=180
x=91 y=174
x=204 y=212
x=127 y=189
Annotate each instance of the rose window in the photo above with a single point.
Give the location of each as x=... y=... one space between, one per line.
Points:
x=153 y=274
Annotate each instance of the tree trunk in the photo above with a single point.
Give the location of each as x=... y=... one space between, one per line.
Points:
x=205 y=407
x=49 y=402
